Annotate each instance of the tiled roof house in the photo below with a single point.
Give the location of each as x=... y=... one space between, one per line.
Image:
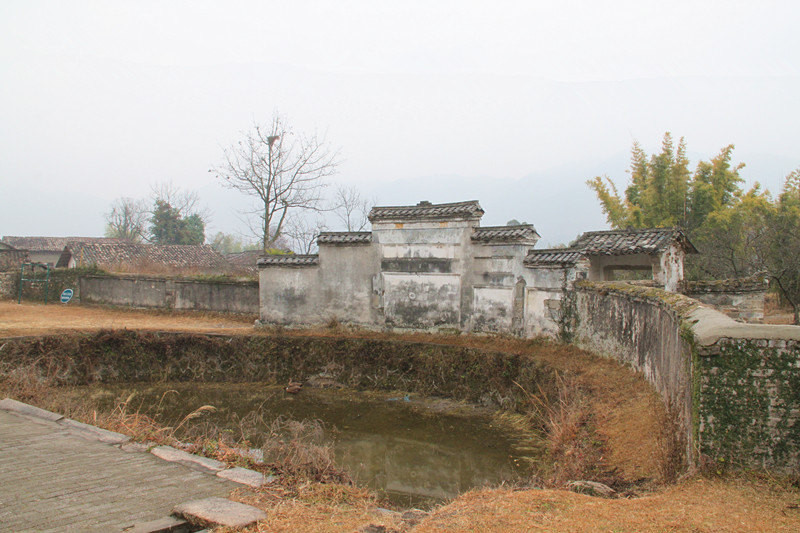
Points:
x=660 y=250
x=48 y=249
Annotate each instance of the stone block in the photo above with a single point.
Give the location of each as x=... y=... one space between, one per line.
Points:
x=164 y=525
x=168 y=453
x=245 y=476
x=219 y=511
x=8 y=404
x=94 y=432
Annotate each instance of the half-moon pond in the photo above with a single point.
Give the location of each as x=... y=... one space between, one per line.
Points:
x=415 y=451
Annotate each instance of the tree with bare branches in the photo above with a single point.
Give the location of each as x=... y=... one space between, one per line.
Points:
x=351 y=208
x=127 y=220
x=284 y=171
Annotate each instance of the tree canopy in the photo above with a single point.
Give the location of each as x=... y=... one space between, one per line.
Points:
x=167 y=226
x=738 y=233
x=663 y=192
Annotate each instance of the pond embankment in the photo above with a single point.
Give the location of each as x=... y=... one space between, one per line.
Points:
x=601 y=419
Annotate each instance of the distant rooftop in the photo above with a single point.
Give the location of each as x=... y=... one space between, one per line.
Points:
x=126 y=253
x=345 y=237
x=427 y=211
x=611 y=242
x=521 y=234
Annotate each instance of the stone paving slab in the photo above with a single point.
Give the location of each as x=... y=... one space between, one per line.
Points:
x=54 y=479
x=219 y=511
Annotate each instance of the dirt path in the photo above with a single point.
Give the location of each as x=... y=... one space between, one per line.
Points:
x=36 y=319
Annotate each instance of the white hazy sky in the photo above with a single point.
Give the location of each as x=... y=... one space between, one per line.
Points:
x=515 y=104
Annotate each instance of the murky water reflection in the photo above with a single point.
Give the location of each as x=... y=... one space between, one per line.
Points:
x=415 y=451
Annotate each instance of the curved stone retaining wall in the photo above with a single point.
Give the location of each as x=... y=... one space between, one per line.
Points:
x=735 y=387
x=471 y=374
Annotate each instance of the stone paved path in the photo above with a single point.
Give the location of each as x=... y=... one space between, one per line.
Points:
x=53 y=479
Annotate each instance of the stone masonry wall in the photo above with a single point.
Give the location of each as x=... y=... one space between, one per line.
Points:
x=740 y=299
x=8 y=285
x=749 y=402
x=736 y=386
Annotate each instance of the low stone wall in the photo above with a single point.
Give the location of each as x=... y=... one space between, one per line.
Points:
x=166 y=293
x=748 y=381
x=8 y=285
x=740 y=299
x=734 y=386
x=60 y=279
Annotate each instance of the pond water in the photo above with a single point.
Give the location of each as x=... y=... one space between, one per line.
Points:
x=414 y=451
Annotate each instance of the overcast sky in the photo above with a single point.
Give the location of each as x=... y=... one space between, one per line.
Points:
x=515 y=104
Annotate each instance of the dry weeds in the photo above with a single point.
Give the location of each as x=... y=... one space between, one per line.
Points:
x=624 y=411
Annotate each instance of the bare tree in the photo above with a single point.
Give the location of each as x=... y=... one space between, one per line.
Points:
x=351 y=208
x=186 y=202
x=127 y=220
x=282 y=170
x=302 y=233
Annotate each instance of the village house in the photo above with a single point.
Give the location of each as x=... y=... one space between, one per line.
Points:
x=48 y=249
x=433 y=266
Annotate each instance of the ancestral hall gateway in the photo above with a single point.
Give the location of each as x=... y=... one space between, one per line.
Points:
x=433 y=266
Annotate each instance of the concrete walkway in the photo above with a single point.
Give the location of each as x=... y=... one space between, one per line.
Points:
x=54 y=477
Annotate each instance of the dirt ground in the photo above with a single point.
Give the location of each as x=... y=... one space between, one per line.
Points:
x=17 y=320
x=697 y=504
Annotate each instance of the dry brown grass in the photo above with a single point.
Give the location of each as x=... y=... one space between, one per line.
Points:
x=624 y=411
x=37 y=319
x=300 y=450
x=696 y=505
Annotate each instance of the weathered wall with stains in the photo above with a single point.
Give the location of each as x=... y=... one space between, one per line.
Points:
x=735 y=386
x=422 y=266
x=168 y=293
x=291 y=295
x=8 y=285
x=498 y=280
x=641 y=327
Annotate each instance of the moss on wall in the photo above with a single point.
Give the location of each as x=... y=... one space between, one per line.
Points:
x=60 y=279
x=745 y=392
x=750 y=403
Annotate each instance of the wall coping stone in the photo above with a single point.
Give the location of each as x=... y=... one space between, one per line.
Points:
x=708 y=325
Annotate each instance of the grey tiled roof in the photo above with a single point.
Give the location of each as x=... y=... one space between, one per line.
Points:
x=556 y=256
x=626 y=242
x=427 y=211
x=288 y=260
x=51 y=244
x=524 y=233
x=246 y=259
x=345 y=237
x=125 y=253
